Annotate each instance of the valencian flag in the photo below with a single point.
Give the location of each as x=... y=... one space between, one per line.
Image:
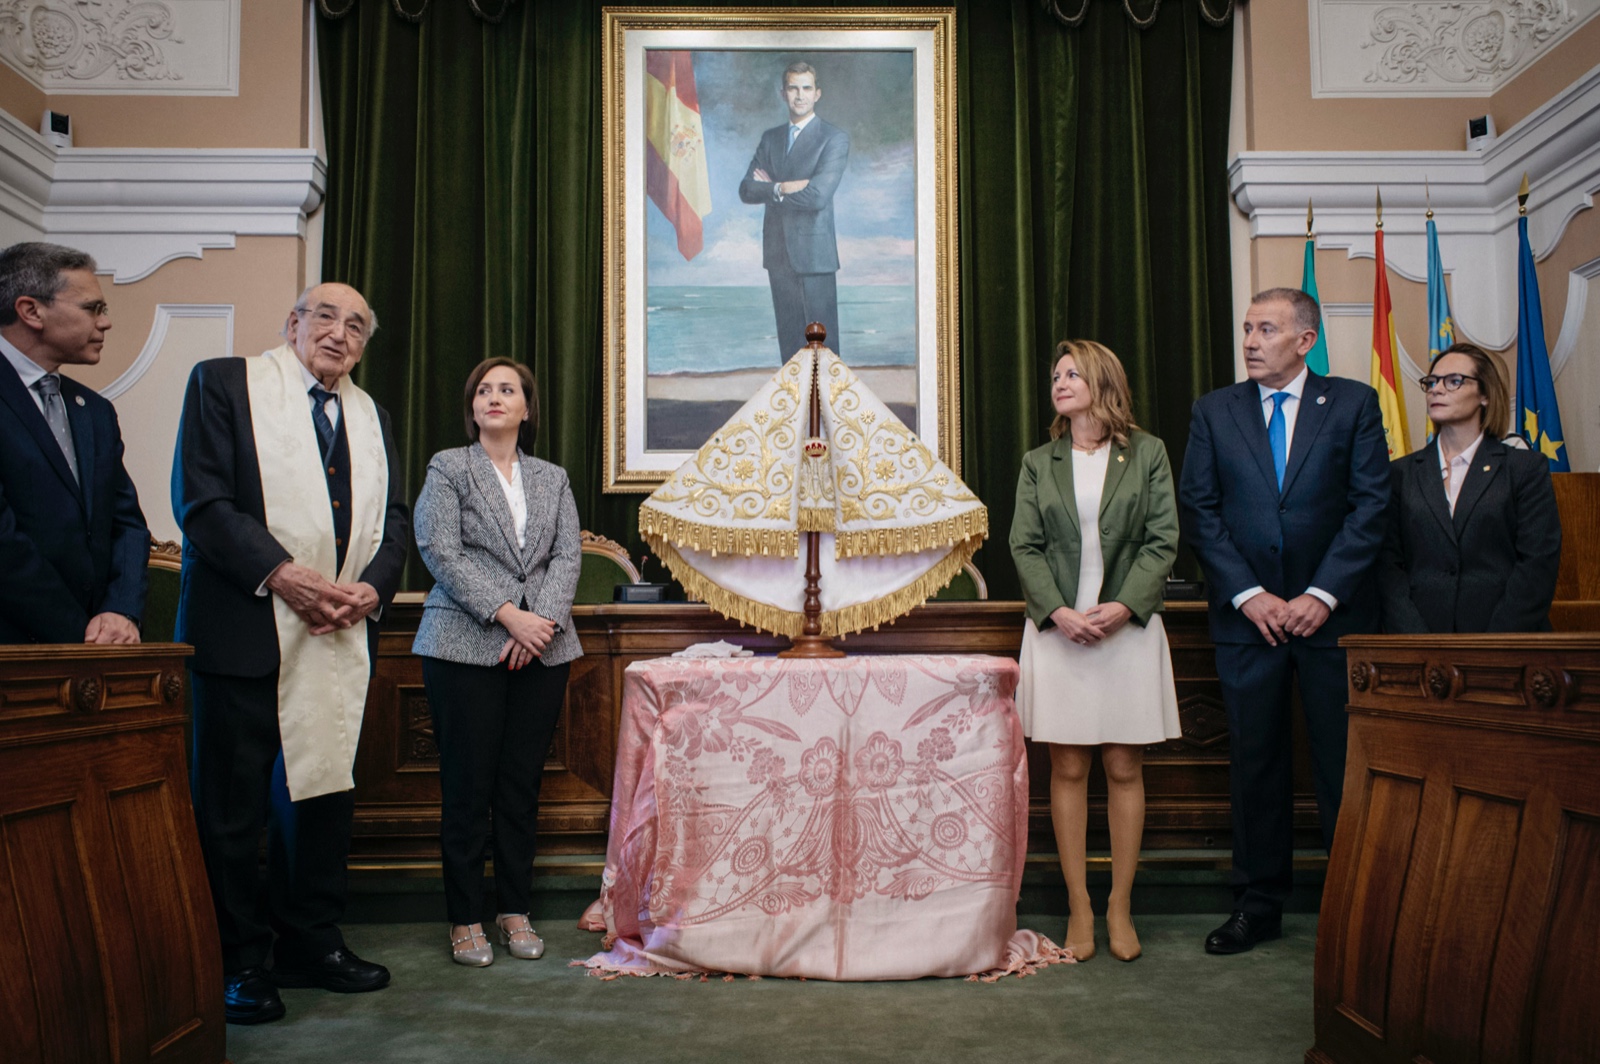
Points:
x=1540 y=421
x=675 y=169
x=1317 y=359
x=1385 y=378
x=1441 y=326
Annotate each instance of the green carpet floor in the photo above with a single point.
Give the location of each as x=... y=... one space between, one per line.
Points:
x=1175 y=1004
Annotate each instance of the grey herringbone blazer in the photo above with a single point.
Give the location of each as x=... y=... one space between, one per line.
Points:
x=463 y=529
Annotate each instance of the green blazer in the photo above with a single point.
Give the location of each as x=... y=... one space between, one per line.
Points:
x=1138 y=528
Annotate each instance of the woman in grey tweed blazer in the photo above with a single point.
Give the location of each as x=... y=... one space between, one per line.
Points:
x=498 y=529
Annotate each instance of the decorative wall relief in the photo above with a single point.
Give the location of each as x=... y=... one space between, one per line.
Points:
x=1385 y=48
x=137 y=47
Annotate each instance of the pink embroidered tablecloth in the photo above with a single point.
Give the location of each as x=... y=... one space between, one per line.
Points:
x=860 y=818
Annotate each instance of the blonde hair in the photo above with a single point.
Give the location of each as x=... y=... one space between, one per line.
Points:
x=1111 y=402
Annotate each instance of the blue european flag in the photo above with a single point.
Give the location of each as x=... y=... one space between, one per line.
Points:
x=1538 y=418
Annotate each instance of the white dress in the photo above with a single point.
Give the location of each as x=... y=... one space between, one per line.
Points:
x=1119 y=690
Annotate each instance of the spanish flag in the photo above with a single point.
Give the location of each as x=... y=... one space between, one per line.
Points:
x=1385 y=378
x=676 y=177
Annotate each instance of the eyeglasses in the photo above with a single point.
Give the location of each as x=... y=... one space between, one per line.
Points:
x=1452 y=381
x=326 y=317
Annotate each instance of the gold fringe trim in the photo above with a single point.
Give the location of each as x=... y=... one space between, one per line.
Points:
x=816 y=520
x=757 y=614
x=972 y=525
x=883 y=610
x=835 y=623
x=746 y=542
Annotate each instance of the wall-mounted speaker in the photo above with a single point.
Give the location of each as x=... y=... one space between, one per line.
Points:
x=56 y=128
x=1480 y=132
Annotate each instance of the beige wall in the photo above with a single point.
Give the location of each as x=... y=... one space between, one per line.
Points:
x=1275 y=111
x=1284 y=116
x=259 y=277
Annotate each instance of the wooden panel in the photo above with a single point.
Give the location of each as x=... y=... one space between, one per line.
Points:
x=1474 y=936
x=1563 y=1027
x=1577 y=605
x=108 y=942
x=397 y=793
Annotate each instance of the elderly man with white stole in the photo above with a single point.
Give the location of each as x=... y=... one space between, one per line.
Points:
x=283 y=582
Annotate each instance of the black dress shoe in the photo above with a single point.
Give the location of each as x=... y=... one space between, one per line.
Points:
x=340 y=971
x=1242 y=931
x=247 y=997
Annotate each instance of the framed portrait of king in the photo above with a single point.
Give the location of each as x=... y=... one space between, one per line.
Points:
x=765 y=169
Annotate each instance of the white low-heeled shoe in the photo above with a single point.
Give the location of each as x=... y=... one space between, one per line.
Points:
x=522 y=942
x=474 y=955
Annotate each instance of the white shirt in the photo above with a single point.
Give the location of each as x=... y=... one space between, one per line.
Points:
x=331 y=407
x=794 y=134
x=29 y=370
x=1291 y=413
x=1454 y=472
x=516 y=500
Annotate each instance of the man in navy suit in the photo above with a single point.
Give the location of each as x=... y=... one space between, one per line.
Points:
x=796 y=169
x=73 y=542
x=1283 y=497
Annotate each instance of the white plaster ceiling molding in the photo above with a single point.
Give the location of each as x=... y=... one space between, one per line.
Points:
x=1432 y=48
x=1473 y=194
x=135 y=209
x=124 y=47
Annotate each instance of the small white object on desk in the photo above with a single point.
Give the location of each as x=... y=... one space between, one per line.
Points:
x=720 y=649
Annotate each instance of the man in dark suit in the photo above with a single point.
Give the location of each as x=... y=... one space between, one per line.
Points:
x=797 y=167
x=73 y=542
x=276 y=703
x=1283 y=498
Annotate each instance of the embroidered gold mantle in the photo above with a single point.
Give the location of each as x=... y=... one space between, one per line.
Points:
x=898 y=523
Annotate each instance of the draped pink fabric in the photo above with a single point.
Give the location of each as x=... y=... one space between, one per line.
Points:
x=862 y=818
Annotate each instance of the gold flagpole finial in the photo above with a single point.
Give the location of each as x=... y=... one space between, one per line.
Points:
x=1522 y=195
x=1380 y=205
x=1427 y=194
x=1308 y=219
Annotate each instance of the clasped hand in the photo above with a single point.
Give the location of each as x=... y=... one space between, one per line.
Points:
x=530 y=634
x=1277 y=620
x=321 y=603
x=1092 y=625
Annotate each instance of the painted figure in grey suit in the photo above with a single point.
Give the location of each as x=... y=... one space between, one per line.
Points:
x=498 y=529
x=796 y=169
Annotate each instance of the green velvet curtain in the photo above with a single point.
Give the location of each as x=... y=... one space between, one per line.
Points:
x=464 y=200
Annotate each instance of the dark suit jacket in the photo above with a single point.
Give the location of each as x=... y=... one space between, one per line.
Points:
x=227 y=550
x=1324 y=529
x=67 y=552
x=798 y=232
x=1489 y=568
x=1138 y=528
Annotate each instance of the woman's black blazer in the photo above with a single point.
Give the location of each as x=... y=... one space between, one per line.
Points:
x=1491 y=567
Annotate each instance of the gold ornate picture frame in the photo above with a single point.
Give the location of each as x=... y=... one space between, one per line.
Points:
x=704 y=261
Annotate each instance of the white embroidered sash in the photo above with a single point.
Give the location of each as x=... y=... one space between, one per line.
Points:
x=322 y=680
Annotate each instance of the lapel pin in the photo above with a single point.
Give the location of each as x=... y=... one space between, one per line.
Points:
x=1321 y=399
x=1485 y=469
x=1119 y=457
x=79 y=398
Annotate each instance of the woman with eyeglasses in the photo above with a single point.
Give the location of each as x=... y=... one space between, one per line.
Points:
x=1474 y=537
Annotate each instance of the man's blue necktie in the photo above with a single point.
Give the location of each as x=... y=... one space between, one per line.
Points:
x=1278 y=436
x=319 y=418
x=794 y=131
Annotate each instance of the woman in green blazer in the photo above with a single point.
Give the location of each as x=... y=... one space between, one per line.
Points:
x=1094 y=537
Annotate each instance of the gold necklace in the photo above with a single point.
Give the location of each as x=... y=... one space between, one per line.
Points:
x=1089 y=450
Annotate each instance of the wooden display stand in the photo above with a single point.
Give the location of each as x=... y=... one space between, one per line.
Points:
x=108 y=943
x=1461 y=914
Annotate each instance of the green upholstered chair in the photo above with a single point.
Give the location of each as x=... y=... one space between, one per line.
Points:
x=605 y=565
x=967 y=586
x=161 y=600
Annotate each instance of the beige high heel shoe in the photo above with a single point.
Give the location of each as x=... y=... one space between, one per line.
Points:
x=1080 y=934
x=519 y=939
x=474 y=955
x=1124 y=939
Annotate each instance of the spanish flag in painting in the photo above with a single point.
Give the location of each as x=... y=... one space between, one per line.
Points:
x=676 y=176
x=1385 y=377
x=1536 y=415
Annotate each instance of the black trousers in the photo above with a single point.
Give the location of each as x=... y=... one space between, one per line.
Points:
x=237 y=780
x=798 y=299
x=1256 y=682
x=493 y=727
